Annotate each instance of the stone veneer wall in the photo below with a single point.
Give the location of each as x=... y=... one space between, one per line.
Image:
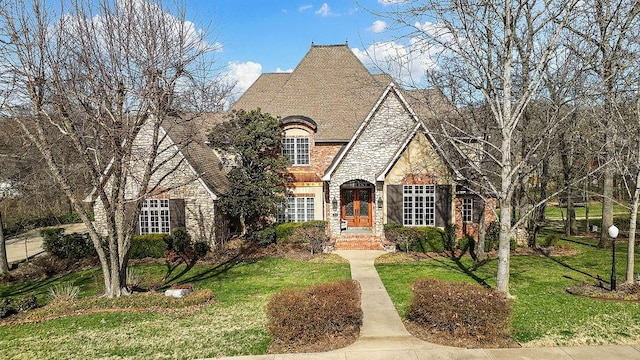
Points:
x=373 y=150
x=182 y=183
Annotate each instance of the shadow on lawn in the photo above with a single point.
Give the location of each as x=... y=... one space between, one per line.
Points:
x=573 y=268
x=465 y=269
x=244 y=255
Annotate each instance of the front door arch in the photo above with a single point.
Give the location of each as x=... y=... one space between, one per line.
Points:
x=356 y=200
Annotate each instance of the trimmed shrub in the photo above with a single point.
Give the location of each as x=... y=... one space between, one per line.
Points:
x=180 y=246
x=467 y=244
x=302 y=318
x=416 y=238
x=25 y=303
x=67 y=246
x=312 y=235
x=460 y=309
x=321 y=224
x=9 y=306
x=284 y=230
x=150 y=245
x=51 y=234
x=6 y=308
x=264 y=237
x=550 y=240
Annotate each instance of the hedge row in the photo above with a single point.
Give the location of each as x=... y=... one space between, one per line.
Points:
x=417 y=239
x=288 y=233
x=79 y=246
x=460 y=309
x=299 y=319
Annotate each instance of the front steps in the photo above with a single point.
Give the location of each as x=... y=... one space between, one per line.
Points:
x=357 y=242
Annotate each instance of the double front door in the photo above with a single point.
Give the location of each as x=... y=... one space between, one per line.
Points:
x=357 y=206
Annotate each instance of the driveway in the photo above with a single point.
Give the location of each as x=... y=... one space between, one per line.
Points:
x=29 y=244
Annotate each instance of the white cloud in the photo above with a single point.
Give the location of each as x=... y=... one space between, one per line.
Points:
x=279 y=70
x=324 y=10
x=389 y=2
x=303 y=8
x=378 y=26
x=405 y=63
x=243 y=74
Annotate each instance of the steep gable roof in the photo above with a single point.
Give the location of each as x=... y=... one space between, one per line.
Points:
x=391 y=88
x=330 y=86
x=191 y=137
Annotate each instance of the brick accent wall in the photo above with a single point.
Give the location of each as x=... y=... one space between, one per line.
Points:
x=471 y=229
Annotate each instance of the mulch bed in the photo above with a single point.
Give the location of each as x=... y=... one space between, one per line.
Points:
x=624 y=292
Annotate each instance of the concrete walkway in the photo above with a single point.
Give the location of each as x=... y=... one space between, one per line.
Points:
x=383 y=335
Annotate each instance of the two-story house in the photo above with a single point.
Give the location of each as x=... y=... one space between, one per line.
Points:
x=361 y=155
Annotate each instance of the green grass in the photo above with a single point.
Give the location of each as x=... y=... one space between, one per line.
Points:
x=543 y=312
x=234 y=325
x=554 y=212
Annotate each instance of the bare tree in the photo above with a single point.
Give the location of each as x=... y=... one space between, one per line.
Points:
x=605 y=27
x=475 y=47
x=95 y=77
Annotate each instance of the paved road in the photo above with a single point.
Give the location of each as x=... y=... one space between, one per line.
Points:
x=29 y=244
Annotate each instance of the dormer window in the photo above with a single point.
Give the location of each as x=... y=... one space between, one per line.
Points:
x=298 y=139
x=296 y=149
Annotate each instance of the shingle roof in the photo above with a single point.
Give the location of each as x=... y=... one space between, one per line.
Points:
x=330 y=85
x=190 y=135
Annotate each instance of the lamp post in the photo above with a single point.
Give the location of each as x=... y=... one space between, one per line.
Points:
x=613 y=232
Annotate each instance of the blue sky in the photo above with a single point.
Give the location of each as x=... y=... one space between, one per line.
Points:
x=271 y=36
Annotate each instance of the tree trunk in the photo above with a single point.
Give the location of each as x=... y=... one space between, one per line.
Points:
x=607 y=207
x=4 y=263
x=482 y=232
x=632 y=231
x=587 y=196
x=504 y=251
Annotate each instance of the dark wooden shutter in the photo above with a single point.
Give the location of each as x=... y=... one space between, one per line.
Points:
x=478 y=208
x=176 y=213
x=443 y=205
x=394 y=204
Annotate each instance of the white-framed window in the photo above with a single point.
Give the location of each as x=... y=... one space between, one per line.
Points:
x=155 y=217
x=298 y=209
x=467 y=210
x=296 y=149
x=419 y=205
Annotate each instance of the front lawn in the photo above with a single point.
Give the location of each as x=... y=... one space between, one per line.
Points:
x=543 y=312
x=234 y=325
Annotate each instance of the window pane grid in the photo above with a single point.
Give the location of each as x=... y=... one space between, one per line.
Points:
x=296 y=149
x=467 y=210
x=155 y=217
x=298 y=209
x=418 y=205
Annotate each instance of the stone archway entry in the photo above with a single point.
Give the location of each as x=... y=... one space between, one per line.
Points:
x=356 y=200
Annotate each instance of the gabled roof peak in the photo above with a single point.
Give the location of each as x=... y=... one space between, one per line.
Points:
x=346 y=44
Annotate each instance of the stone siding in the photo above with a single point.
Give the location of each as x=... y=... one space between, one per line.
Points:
x=372 y=151
x=175 y=178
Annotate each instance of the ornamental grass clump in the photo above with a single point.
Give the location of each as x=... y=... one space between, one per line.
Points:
x=64 y=292
x=461 y=310
x=317 y=318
